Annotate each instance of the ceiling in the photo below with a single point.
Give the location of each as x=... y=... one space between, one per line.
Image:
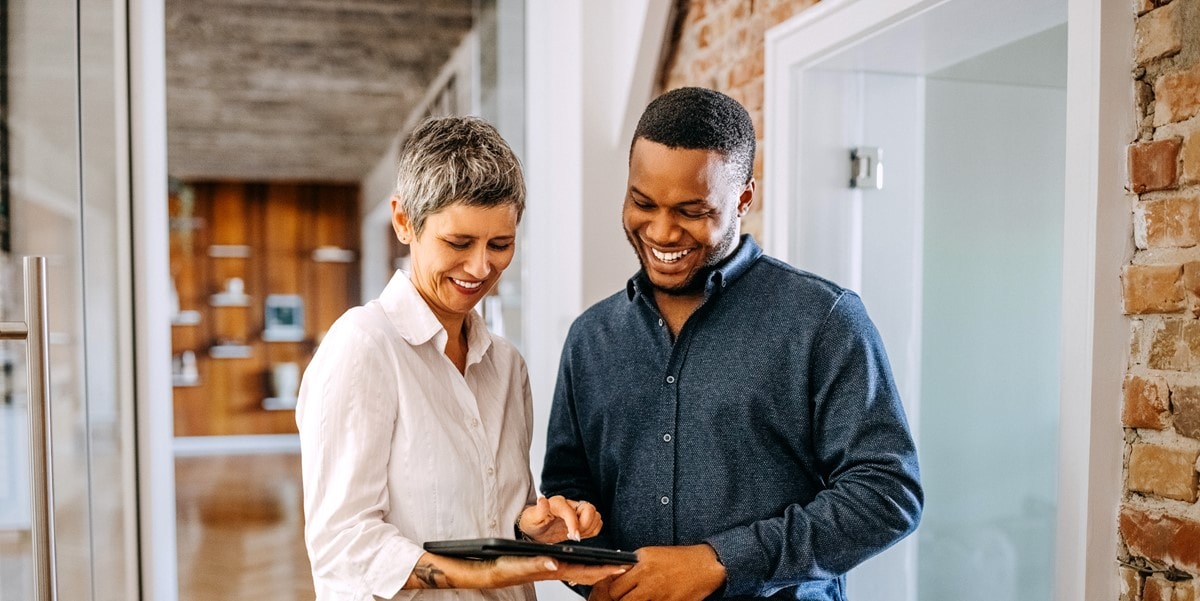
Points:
x=298 y=89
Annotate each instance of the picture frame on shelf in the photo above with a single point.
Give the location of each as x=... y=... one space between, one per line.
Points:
x=284 y=318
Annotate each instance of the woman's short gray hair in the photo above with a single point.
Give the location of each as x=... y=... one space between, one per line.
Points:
x=453 y=160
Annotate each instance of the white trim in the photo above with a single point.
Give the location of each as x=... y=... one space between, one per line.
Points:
x=198 y=446
x=152 y=332
x=1097 y=243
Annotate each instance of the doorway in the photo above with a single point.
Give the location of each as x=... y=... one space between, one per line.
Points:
x=957 y=250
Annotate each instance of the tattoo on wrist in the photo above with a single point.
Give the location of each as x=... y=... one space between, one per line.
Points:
x=431 y=576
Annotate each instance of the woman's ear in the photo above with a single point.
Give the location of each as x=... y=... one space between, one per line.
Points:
x=401 y=223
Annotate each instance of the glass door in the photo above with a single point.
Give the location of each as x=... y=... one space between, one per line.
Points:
x=64 y=196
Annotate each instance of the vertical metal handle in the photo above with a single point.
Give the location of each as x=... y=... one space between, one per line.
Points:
x=35 y=331
x=41 y=461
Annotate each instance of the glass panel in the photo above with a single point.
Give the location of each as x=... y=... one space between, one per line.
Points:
x=108 y=433
x=995 y=159
x=66 y=209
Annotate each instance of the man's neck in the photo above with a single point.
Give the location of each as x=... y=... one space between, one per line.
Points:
x=677 y=308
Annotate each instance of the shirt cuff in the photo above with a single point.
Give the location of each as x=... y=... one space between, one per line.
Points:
x=745 y=565
x=391 y=567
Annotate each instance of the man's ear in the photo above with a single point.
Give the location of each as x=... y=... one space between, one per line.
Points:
x=400 y=222
x=746 y=198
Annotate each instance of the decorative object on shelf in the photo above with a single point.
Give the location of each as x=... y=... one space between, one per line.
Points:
x=284 y=318
x=230 y=350
x=234 y=295
x=285 y=385
x=178 y=317
x=229 y=251
x=333 y=254
x=183 y=370
x=186 y=318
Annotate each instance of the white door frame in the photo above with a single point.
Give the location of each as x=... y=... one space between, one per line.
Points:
x=157 y=558
x=1097 y=243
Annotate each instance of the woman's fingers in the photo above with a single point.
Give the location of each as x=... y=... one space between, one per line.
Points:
x=581 y=574
x=563 y=510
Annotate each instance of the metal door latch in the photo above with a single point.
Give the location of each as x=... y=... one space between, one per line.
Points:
x=866 y=167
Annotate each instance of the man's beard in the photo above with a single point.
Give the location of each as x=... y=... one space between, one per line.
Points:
x=699 y=278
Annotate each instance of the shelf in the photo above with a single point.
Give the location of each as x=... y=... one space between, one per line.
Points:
x=333 y=254
x=279 y=403
x=230 y=351
x=229 y=251
x=182 y=381
x=185 y=318
x=225 y=299
x=279 y=334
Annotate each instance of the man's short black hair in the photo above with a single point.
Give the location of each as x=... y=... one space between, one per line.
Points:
x=701 y=119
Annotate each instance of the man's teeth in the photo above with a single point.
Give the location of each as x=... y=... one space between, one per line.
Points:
x=471 y=285
x=669 y=257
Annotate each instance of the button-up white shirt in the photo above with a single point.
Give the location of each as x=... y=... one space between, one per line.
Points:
x=399 y=448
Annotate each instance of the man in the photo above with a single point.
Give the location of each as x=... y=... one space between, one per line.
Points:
x=732 y=417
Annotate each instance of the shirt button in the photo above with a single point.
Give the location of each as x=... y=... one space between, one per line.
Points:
x=666 y=438
x=492 y=524
x=491 y=470
x=660 y=322
x=664 y=500
x=670 y=379
x=474 y=423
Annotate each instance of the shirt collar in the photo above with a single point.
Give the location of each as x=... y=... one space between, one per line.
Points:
x=417 y=324
x=725 y=273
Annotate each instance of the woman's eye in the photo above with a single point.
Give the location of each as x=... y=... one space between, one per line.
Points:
x=500 y=246
x=459 y=245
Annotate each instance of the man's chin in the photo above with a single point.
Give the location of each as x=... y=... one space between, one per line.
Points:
x=690 y=284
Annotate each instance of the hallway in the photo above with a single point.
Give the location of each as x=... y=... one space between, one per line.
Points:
x=240 y=528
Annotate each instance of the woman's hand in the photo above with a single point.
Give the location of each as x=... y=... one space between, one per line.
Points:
x=557 y=519
x=436 y=571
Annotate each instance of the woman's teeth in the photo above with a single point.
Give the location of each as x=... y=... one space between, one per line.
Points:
x=669 y=257
x=470 y=285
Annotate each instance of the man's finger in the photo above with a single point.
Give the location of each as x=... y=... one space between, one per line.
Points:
x=589 y=520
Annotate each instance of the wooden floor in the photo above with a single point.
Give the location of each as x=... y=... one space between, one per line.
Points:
x=240 y=528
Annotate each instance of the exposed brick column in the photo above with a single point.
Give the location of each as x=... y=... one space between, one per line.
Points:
x=1160 y=518
x=721 y=46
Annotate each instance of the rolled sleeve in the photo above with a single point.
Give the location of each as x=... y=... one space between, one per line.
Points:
x=346 y=415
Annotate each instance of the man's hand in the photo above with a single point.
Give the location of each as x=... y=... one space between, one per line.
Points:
x=669 y=574
x=600 y=591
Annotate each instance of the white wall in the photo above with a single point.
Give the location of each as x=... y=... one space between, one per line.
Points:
x=589 y=70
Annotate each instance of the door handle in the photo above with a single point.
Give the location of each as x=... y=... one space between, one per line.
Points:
x=35 y=331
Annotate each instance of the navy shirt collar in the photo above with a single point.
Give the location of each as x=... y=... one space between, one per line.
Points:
x=725 y=273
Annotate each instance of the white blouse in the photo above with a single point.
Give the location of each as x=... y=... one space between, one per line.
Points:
x=399 y=448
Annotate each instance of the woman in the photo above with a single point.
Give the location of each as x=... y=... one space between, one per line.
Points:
x=415 y=421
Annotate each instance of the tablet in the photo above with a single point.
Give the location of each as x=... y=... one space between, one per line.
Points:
x=487 y=548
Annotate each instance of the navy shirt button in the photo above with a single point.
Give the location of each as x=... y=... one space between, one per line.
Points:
x=670 y=379
x=666 y=438
x=664 y=500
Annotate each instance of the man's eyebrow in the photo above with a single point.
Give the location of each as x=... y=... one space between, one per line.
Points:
x=694 y=201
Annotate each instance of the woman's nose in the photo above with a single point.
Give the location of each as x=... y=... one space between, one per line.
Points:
x=478 y=264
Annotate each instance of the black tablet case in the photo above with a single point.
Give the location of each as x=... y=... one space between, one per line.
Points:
x=487 y=548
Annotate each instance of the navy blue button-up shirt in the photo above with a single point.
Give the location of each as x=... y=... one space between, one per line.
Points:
x=770 y=429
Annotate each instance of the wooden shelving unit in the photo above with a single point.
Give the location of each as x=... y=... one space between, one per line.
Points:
x=278 y=238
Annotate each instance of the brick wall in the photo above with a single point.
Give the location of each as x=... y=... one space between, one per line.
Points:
x=720 y=46
x=1159 y=518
